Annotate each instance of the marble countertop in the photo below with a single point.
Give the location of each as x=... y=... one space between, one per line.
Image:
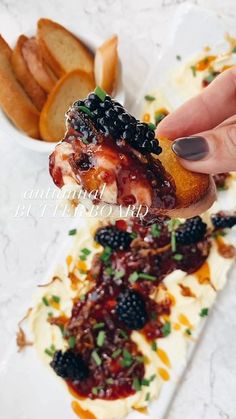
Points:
x=28 y=244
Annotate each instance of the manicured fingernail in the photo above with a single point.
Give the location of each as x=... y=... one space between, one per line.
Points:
x=191 y=148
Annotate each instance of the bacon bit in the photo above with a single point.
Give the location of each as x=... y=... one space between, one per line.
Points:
x=82 y=413
x=81 y=265
x=74 y=280
x=21 y=339
x=205 y=62
x=163 y=357
x=186 y=291
x=55 y=278
x=228 y=251
x=184 y=321
x=177 y=326
x=69 y=259
x=164 y=374
x=146 y=117
x=143 y=410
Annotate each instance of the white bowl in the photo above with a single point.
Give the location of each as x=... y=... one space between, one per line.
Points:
x=11 y=132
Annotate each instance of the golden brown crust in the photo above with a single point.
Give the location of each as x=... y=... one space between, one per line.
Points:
x=191 y=187
x=13 y=99
x=37 y=66
x=74 y=85
x=62 y=51
x=106 y=64
x=24 y=76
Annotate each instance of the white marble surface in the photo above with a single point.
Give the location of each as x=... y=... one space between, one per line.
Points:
x=28 y=244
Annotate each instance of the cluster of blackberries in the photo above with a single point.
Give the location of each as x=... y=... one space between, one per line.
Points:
x=69 y=365
x=111 y=118
x=223 y=220
x=191 y=231
x=113 y=237
x=131 y=309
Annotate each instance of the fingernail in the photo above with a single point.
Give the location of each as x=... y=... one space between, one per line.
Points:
x=191 y=148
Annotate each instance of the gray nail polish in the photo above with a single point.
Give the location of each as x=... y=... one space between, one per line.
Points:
x=191 y=148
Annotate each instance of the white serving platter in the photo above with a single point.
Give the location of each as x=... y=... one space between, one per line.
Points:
x=28 y=390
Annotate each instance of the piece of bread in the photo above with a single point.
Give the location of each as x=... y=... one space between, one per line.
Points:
x=24 y=76
x=106 y=65
x=37 y=66
x=191 y=188
x=13 y=99
x=62 y=51
x=74 y=85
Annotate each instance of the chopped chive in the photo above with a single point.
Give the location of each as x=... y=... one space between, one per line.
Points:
x=134 y=235
x=152 y=126
x=154 y=345
x=178 y=57
x=147 y=276
x=193 y=68
x=116 y=353
x=152 y=378
x=159 y=116
x=82 y=297
x=173 y=241
x=166 y=329
x=100 y=93
x=72 y=342
x=45 y=301
x=109 y=270
x=49 y=352
x=85 y=110
x=123 y=334
x=127 y=359
x=50 y=314
x=95 y=390
x=62 y=328
x=133 y=277
x=204 y=312
x=99 y=325
x=177 y=256
x=106 y=254
x=140 y=359
x=53 y=347
x=86 y=251
x=96 y=357
x=101 y=338
x=188 y=332
x=109 y=381
x=155 y=230
x=147 y=398
x=84 y=140
x=119 y=274
x=234 y=49
x=136 y=384
x=149 y=98
x=56 y=299
x=82 y=257
x=72 y=232
x=145 y=382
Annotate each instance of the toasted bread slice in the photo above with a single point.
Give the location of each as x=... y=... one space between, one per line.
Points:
x=24 y=76
x=13 y=99
x=62 y=51
x=191 y=187
x=106 y=64
x=74 y=85
x=37 y=66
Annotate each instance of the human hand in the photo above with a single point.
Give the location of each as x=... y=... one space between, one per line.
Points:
x=204 y=128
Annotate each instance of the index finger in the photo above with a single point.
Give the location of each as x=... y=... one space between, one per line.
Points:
x=205 y=111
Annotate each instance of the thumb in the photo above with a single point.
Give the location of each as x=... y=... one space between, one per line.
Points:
x=211 y=151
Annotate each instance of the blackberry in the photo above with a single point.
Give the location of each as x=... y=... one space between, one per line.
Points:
x=223 y=220
x=114 y=238
x=192 y=231
x=69 y=365
x=111 y=118
x=131 y=309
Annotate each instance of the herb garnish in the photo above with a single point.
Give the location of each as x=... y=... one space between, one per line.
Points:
x=172 y=225
x=96 y=357
x=100 y=93
x=72 y=232
x=101 y=338
x=154 y=345
x=188 y=332
x=178 y=57
x=166 y=329
x=152 y=126
x=178 y=256
x=99 y=325
x=85 y=110
x=135 y=276
x=149 y=98
x=194 y=71
x=72 y=342
x=84 y=253
x=127 y=359
x=155 y=230
x=116 y=353
x=50 y=351
x=106 y=254
x=45 y=301
x=56 y=299
x=204 y=312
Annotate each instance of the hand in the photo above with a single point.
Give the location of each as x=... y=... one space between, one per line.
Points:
x=204 y=128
